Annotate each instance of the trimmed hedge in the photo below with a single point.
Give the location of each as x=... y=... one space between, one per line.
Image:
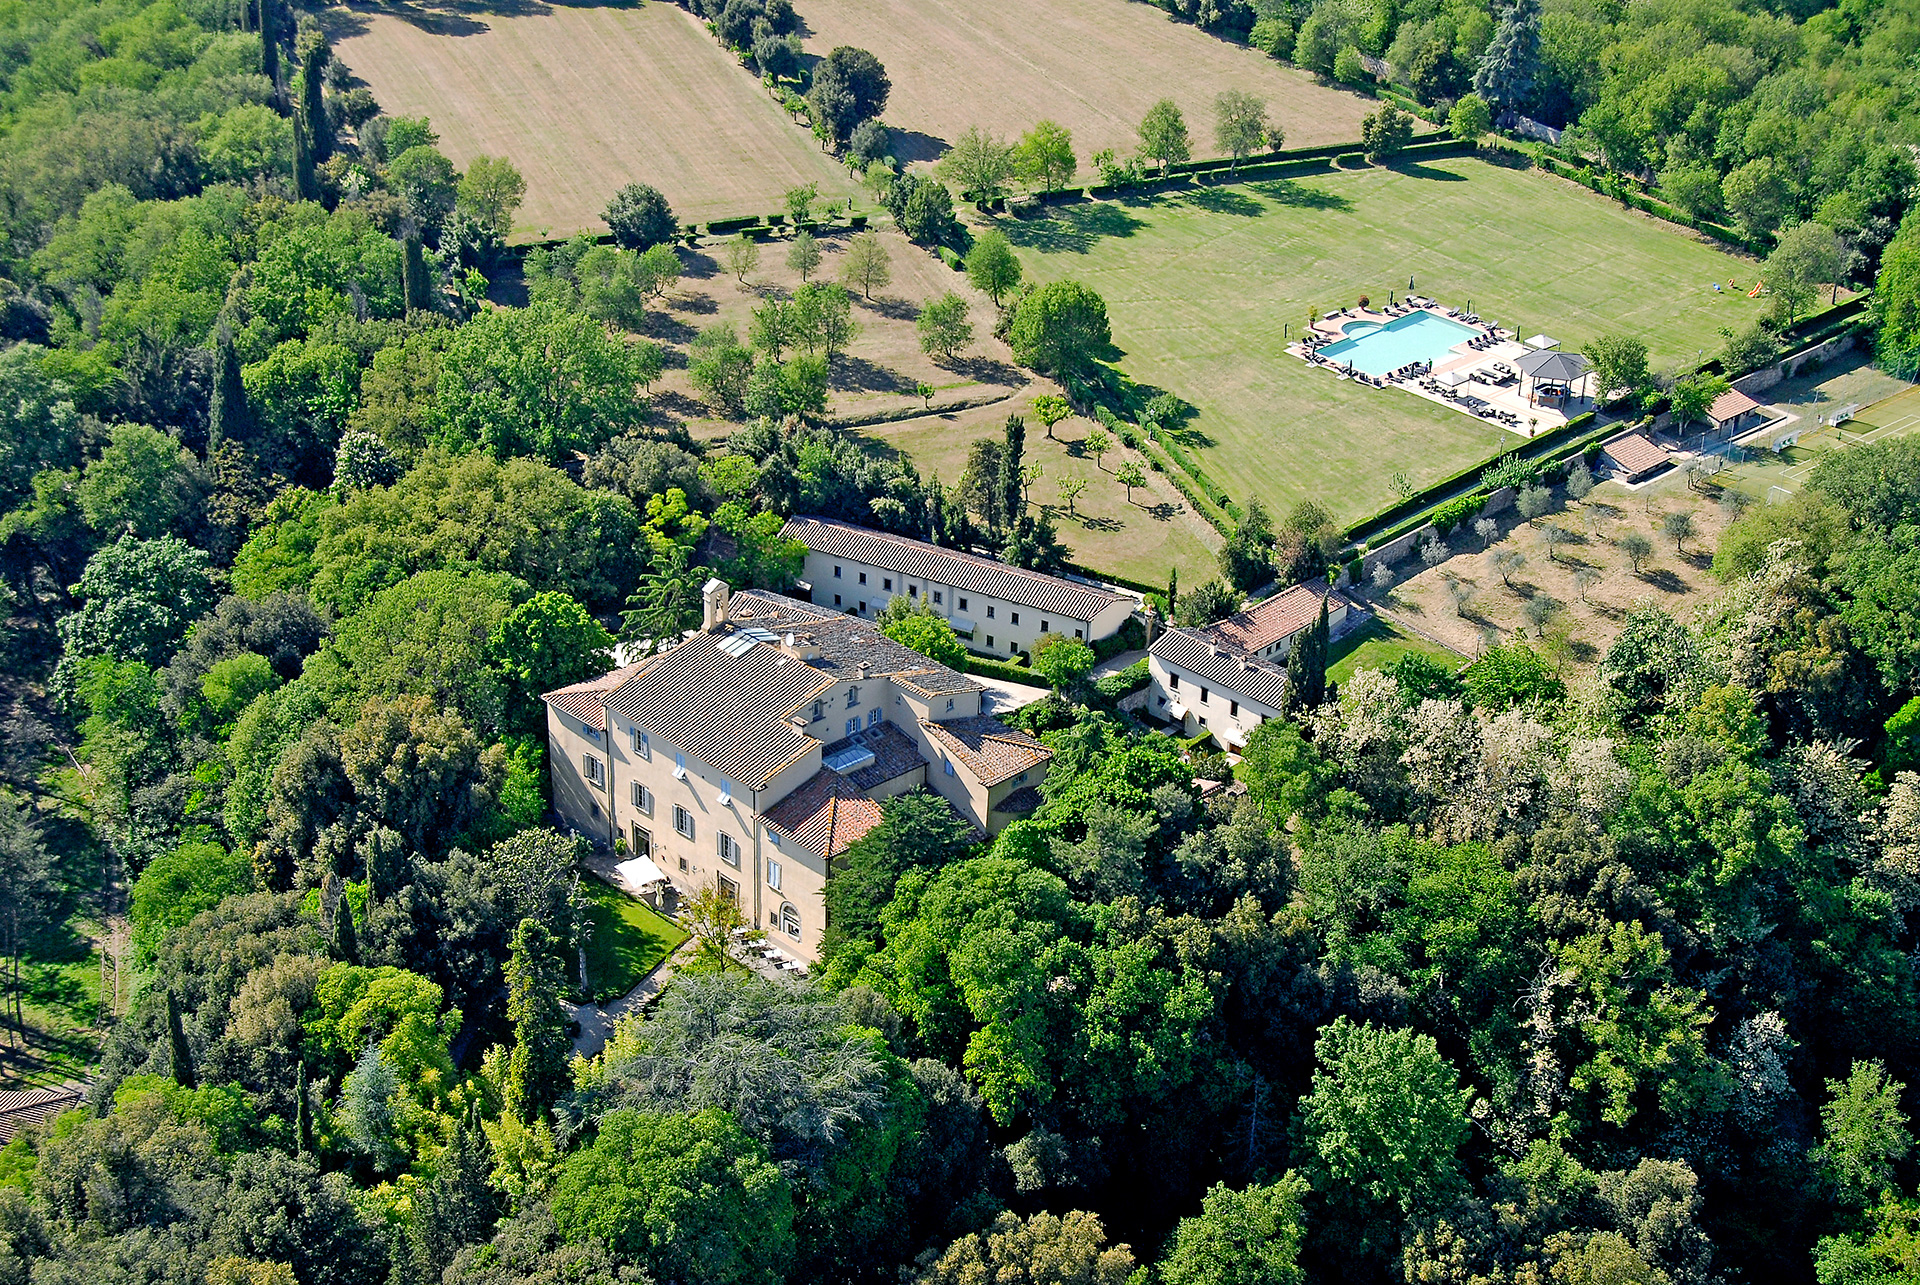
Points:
x=726 y=227
x=951 y=258
x=1107 y=577
x=987 y=667
x=1125 y=683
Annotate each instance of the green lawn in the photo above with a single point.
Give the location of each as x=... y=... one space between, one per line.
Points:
x=1379 y=643
x=1202 y=285
x=629 y=938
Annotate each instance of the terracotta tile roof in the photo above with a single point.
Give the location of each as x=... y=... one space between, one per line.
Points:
x=1279 y=617
x=727 y=710
x=894 y=755
x=825 y=814
x=21 y=1108
x=1221 y=668
x=844 y=642
x=1730 y=404
x=988 y=748
x=1020 y=802
x=933 y=564
x=1636 y=453
x=585 y=701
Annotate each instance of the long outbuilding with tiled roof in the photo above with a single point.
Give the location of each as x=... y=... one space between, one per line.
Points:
x=998 y=608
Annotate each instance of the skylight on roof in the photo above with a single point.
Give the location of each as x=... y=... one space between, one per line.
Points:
x=736 y=644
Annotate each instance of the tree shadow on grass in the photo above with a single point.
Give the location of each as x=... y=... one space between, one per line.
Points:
x=700 y=267
x=891 y=307
x=1221 y=200
x=1299 y=196
x=1414 y=169
x=1074 y=229
x=985 y=370
x=857 y=374
x=1663 y=580
x=911 y=145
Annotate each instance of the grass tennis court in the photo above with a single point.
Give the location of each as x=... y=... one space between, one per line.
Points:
x=1204 y=286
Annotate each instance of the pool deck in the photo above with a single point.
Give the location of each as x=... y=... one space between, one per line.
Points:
x=1522 y=417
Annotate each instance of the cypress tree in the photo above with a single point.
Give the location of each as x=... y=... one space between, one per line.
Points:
x=228 y=416
x=313 y=103
x=416 y=285
x=306 y=184
x=269 y=47
x=1012 y=459
x=1173 y=592
x=459 y=1207
x=178 y=1053
x=302 y=1112
x=1306 y=686
x=346 y=945
x=537 y=1064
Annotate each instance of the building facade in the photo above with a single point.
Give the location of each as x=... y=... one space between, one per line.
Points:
x=750 y=755
x=1229 y=677
x=1000 y=610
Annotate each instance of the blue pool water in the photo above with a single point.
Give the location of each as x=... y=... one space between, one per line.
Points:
x=1418 y=336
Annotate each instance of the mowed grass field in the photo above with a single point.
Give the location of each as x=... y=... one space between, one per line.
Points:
x=584 y=100
x=1094 y=66
x=1203 y=285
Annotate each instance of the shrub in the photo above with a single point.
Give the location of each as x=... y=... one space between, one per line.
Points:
x=1454 y=512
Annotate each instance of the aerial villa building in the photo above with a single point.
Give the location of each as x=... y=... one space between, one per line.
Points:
x=1000 y=610
x=1228 y=677
x=753 y=753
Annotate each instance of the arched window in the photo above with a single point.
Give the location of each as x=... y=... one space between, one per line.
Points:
x=790 y=920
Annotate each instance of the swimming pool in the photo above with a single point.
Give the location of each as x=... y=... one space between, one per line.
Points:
x=1418 y=336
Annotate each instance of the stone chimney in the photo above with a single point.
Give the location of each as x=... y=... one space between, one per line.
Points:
x=713 y=600
x=865 y=673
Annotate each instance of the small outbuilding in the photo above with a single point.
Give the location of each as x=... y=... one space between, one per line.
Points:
x=1553 y=375
x=1734 y=412
x=1632 y=457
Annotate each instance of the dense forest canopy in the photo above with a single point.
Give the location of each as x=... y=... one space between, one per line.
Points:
x=1510 y=975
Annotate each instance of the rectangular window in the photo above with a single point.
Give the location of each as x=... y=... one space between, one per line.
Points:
x=683 y=865
x=1203 y=695
x=948 y=764
x=873 y=718
x=679 y=762
x=595 y=770
x=1233 y=708
x=989 y=612
x=989 y=640
x=643 y=798
x=949 y=704
x=642 y=842
x=729 y=850
x=853 y=697
x=936 y=597
x=726 y=788
x=642 y=747
x=773 y=875
x=886 y=582
x=1016 y=617
x=819 y=711
x=863 y=608
x=963 y=604
x=913 y=591
x=682 y=821
x=853 y=725
x=1173 y=681
x=836 y=573
x=836 y=599
x=1012 y=646
x=728 y=888
x=1046 y=626
x=1081 y=634
x=863 y=577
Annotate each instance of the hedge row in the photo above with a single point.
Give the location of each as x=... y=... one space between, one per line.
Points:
x=899 y=413
x=1598 y=181
x=986 y=667
x=1397 y=519
x=1107 y=577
